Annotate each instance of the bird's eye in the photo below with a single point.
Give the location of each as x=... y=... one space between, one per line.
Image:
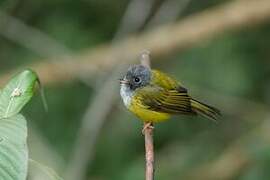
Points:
x=137 y=80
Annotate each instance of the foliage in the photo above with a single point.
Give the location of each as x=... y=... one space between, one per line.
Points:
x=13 y=130
x=13 y=148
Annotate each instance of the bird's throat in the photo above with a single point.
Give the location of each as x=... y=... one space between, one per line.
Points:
x=126 y=94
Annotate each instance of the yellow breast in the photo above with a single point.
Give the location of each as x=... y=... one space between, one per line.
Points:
x=145 y=114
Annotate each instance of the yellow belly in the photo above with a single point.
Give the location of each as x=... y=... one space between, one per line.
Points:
x=148 y=115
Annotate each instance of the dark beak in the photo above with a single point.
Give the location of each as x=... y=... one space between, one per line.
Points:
x=123 y=81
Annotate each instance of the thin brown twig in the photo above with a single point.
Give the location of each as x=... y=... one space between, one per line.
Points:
x=148 y=132
x=149 y=153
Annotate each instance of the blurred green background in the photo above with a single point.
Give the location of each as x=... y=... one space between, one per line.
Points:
x=230 y=71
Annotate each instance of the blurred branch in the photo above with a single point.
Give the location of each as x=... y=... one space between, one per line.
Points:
x=91 y=125
x=132 y=20
x=30 y=38
x=231 y=105
x=236 y=157
x=130 y=23
x=43 y=152
x=240 y=153
x=168 y=12
x=38 y=171
x=161 y=41
x=94 y=119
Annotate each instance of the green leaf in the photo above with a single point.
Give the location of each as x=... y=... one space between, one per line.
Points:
x=17 y=93
x=13 y=148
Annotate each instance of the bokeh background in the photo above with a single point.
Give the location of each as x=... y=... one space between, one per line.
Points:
x=219 y=50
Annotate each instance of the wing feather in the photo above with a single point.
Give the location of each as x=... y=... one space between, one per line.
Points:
x=158 y=99
x=166 y=81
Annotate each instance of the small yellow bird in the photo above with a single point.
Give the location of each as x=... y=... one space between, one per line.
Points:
x=154 y=96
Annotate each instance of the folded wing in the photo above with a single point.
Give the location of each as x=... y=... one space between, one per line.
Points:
x=158 y=99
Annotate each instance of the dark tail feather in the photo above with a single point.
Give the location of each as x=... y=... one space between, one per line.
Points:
x=205 y=110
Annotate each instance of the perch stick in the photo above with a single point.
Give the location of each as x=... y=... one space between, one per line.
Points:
x=148 y=131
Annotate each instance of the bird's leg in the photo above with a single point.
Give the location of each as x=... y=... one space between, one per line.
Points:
x=147 y=125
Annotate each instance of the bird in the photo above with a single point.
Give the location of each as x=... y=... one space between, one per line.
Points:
x=154 y=96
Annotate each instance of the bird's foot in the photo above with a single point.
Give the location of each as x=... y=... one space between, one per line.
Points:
x=148 y=125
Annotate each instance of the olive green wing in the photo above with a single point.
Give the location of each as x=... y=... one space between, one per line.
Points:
x=158 y=99
x=165 y=81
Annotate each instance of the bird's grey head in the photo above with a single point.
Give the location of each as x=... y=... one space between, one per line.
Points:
x=137 y=76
